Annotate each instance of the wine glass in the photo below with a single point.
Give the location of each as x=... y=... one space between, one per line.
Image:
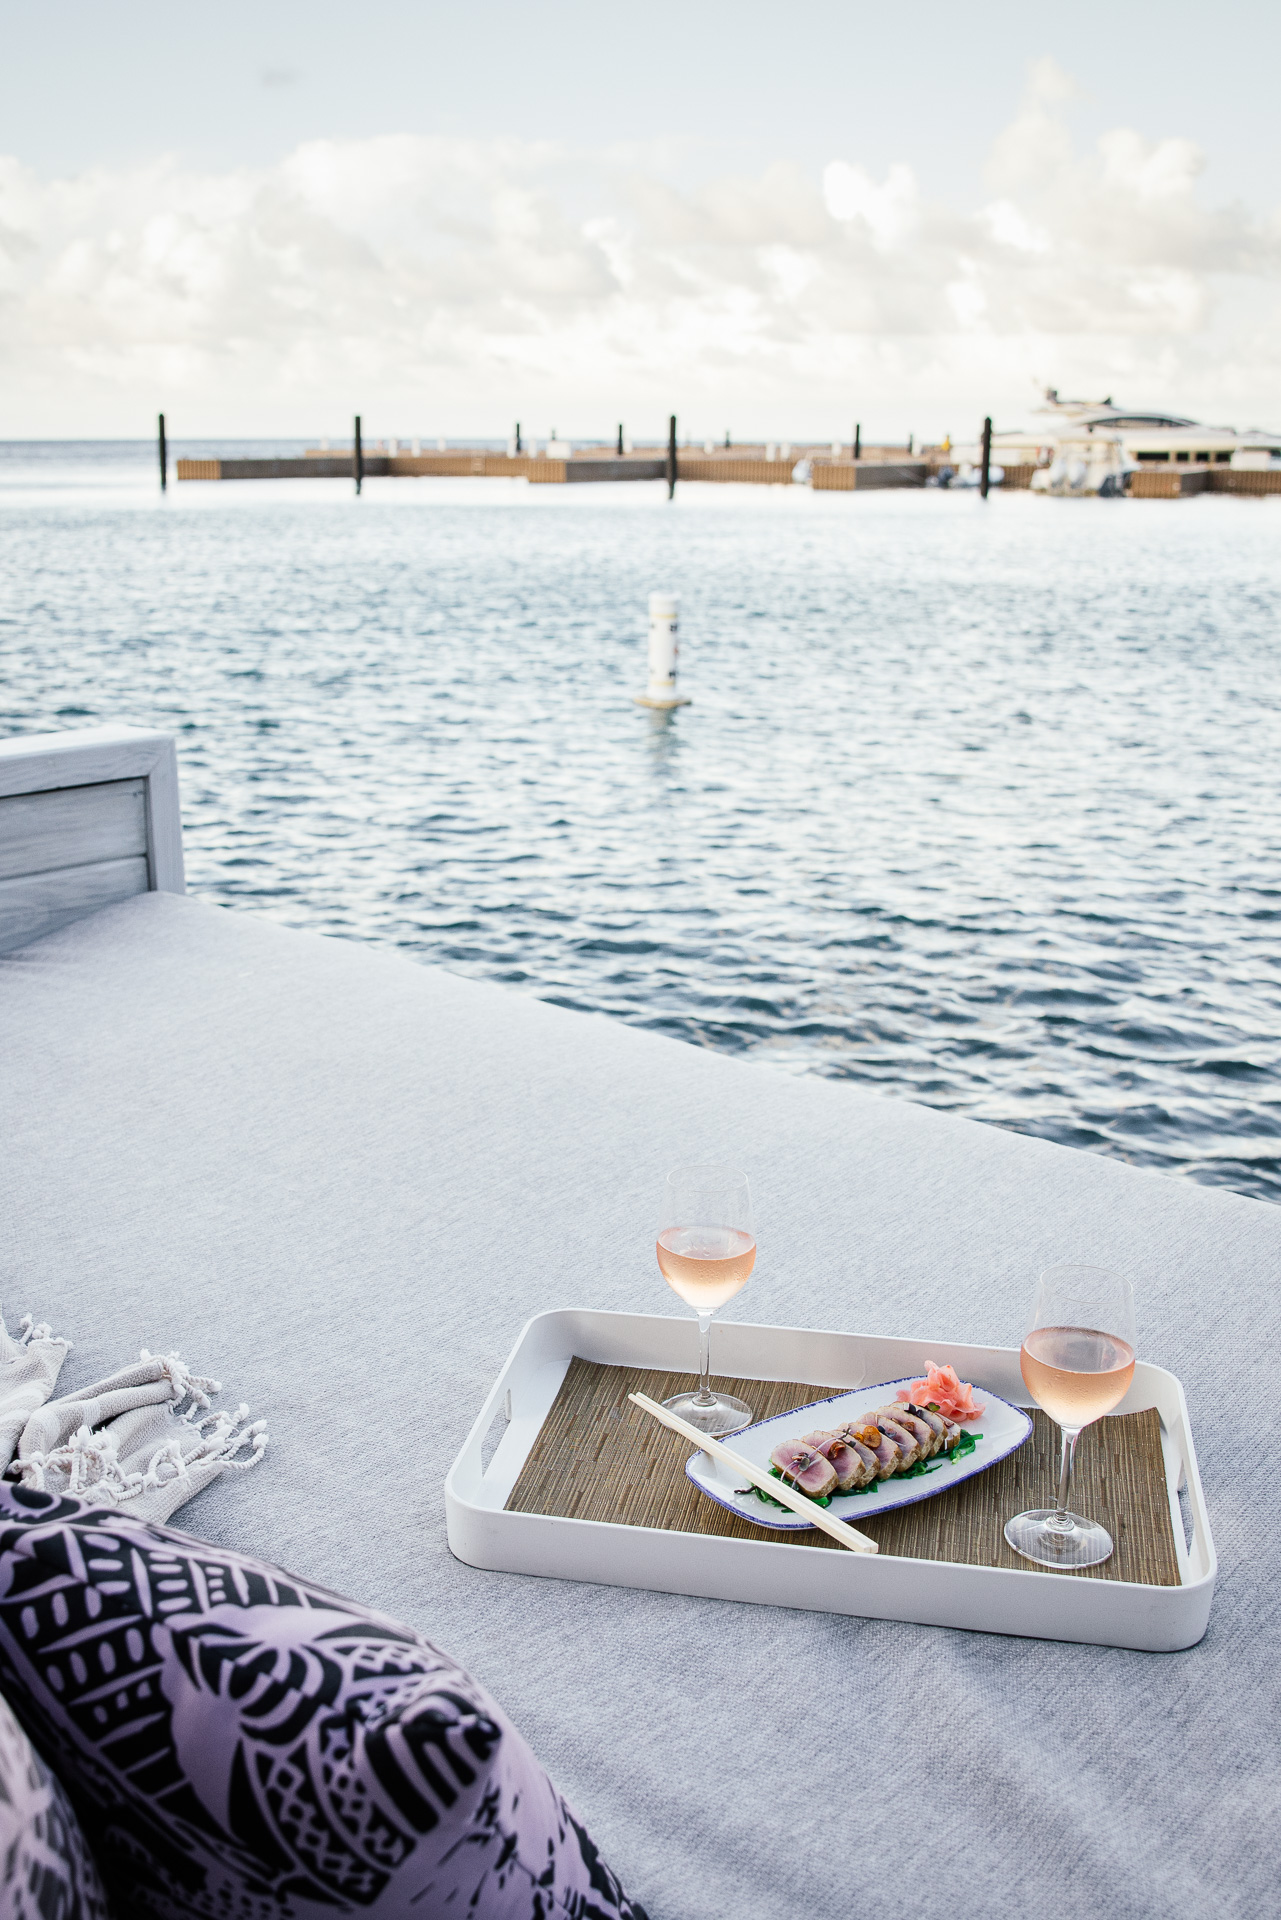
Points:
x=1078 y=1362
x=706 y=1249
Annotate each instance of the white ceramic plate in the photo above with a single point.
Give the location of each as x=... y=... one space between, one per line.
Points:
x=999 y=1430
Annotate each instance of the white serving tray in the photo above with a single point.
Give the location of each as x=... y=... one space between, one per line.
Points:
x=1045 y=1606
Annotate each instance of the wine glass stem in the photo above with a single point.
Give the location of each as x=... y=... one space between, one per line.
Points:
x=705 y=1396
x=1061 y=1520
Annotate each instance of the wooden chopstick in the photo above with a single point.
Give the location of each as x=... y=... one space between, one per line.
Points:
x=778 y=1489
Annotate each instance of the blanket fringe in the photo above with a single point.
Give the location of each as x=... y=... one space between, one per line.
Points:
x=186 y=1384
x=89 y=1466
x=30 y=1329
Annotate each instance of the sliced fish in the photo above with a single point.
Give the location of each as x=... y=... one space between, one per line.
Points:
x=849 y=1469
x=947 y=1430
x=872 y=1446
x=927 y=1439
x=867 y=1435
x=906 y=1442
x=803 y=1468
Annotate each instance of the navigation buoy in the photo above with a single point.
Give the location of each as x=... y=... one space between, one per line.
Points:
x=664 y=650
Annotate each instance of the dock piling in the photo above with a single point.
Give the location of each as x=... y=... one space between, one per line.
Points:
x=518 y=436
x=671 y=457
x=620 y=439
x=357 y=458
x=164 y=458
x=858 y=441
x=986 y=470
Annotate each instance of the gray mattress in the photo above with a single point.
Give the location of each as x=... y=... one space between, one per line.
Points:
x=341 y=1182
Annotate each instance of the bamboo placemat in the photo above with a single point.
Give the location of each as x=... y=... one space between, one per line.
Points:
x=597 y=1457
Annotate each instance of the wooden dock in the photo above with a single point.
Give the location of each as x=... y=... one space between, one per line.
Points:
x=759 y=465
x=752 y=465
x=1178 y=483
x=465 y=464
x=856 y=476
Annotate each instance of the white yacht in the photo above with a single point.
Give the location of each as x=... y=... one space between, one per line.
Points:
x=1092 y=446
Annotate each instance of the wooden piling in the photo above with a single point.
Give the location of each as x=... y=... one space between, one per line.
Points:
x=164 y=457
x=671 y=457
x=518 y=448
x=620 y=439
x=985 y=472
x=357 y=458
x=858 y=441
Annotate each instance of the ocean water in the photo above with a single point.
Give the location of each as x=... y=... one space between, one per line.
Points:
x=974 y=805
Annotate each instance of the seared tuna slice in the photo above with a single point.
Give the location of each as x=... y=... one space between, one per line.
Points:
x=947 y=1431
x=906 y=1442
x=934 y=1421
x=871 y=1463
x=845 y=1462
x=921 y=1431
x=853 y=1435
x=866 y=1436
x=804 y=1469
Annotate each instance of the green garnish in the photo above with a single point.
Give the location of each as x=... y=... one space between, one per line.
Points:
x=820 y=1500
x=917 y=1472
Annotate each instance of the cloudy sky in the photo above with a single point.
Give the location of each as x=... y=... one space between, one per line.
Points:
x=263 y=217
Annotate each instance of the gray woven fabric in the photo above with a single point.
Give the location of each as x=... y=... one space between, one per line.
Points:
x=345 y=1181
x=29 y=1369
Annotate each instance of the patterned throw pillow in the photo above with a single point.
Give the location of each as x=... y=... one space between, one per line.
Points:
x=46 y=1872
x=244 y=1746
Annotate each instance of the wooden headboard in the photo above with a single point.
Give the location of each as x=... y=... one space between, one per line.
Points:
x=86 y=819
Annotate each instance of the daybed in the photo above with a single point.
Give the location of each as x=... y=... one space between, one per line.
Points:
x=342 y=1181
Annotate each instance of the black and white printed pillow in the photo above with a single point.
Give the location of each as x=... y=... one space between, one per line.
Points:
x=46 y=1872
x=241 y=1745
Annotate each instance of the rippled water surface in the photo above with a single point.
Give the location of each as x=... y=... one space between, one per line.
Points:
x=977 y=805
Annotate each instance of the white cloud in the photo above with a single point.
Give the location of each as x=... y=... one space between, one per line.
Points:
x=966 y=297
x=1166 y=170
x=441 y=284
x=1036 y=146
x=889 y=209
x=1011 y=228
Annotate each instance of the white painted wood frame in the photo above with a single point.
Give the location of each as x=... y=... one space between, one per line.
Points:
x=86 y=819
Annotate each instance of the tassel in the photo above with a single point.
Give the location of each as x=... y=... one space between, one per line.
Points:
x=29 y=1330
x=184 y=1382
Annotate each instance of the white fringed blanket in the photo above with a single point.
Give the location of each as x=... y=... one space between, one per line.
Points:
x=145 y=1439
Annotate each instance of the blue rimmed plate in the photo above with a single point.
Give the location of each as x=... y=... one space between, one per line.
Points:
x=1000 y=1430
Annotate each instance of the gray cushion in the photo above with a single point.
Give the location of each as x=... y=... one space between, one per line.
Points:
x=312 y=1165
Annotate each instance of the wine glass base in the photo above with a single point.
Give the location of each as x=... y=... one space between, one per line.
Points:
x=1084 y=1544
x=724 y=1415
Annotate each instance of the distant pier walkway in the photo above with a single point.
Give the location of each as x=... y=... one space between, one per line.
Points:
x=761 y=465
x=826 y=470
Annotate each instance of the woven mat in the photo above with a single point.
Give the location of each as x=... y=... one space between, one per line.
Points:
x=597 y=1457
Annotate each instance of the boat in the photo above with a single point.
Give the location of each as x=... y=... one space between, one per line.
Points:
x=1093 y=446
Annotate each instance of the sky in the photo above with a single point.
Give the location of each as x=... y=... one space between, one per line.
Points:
x=774 y=221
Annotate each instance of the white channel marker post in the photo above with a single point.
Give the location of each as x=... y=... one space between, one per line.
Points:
x=664 y=650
